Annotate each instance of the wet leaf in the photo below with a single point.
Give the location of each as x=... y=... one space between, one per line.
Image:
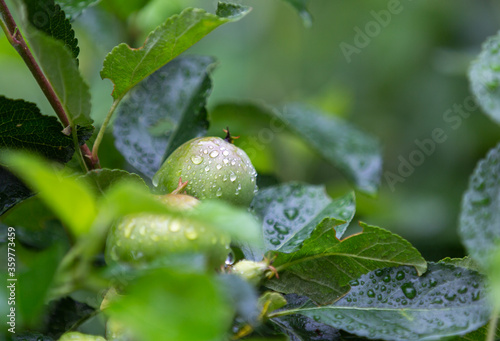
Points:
x=445 y=301
x=479 y=224
x=102 y=179
x=484 y=76
x=301 y=7
x=290 y=212
x=323 y=268
x=163 y=111
x=126 y=66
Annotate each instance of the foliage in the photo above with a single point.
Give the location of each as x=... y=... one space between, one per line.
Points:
x=298 y=269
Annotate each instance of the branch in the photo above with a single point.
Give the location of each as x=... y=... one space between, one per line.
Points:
x=17 y=41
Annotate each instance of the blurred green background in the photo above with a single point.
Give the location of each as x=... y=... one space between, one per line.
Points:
x=397 y=88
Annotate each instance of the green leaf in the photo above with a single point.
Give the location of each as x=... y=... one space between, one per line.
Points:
x=64 y=313
x=465 y=262
x=30 y=298
x=301 y=7
x=171 y=305
x=73 y=8
x=102 y=179
x=72 y=202
x=396 y=304
x=484 y=76
x=478 y=335
x=62 y=72
x=290 y=212
x=123 y=9
x=163 y=111
x=12 y=190
x=356 y=154
x=126 y=66
x=48 y=17
x=479 y=224
x=22 y=126
x=324 y=265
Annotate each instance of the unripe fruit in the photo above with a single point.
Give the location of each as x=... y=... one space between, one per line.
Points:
x=75 y=336
x=143 y=238
x=213 y=168
x=252 y=271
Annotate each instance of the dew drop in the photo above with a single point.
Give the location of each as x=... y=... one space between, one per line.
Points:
x=207 y=169
x=387 y=279
x=219 y=192
x=379 y=273
x=214 y=153
x=409 y=290
x=225 y=153
x=462 y=290
x=230 y=258
x=196 y=159
x=280 y=228
x=400 y=275
x=370 y=293
x=275 y=241
x=291 y=213
x=232 y=177
x=219 y=166
x=354 y=283
x=450 y=297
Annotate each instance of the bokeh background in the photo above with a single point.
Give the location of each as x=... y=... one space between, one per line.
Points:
x=397 y=88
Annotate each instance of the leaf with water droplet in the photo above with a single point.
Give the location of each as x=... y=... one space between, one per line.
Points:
x=484 y=78
x=414 y=312
x=300 y=208
x=479 y=225
x=158 y=99
x=323 y=268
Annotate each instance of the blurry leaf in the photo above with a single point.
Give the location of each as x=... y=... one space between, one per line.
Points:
x=130 y=198
x=243 y=297
x=72 y=8
x=290 y=212
x=169 y=305
x=32 y=214
x=102 y=179
x=63 y=74
x=479 y=225
x=123 y=9
x=465 y=262
x=12 y=190
x=301 y=7
x=126 y=66
x=396 y=304
x=163 y=111
x=271 y=301
x=48 y=17
x=30 y=298
x=484 y=76
x=73 y=203
x=324 y=265
x=356 y=154
x=477 y=335
x=63 y=314
x=22 y=126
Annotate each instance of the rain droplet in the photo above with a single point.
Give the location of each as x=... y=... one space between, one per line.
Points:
x=291 y=213
x=230 y=258
x=219 y=166
x=370 y=293
x=219 y=192
x=196 y=159
x=354 y=283
x=387 y=279
x=409 y=290
x=225 y=153
x=207 y=169
x=450 y=297
x=462 y=290
x=275 y=241
x=232 y=177
x=400 y=275
x=280 y=228
x=214 y=153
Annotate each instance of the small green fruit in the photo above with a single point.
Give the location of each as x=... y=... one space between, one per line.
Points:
x=213 y=169
x=75 y=336
x=253 y=272
x=144 y=238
